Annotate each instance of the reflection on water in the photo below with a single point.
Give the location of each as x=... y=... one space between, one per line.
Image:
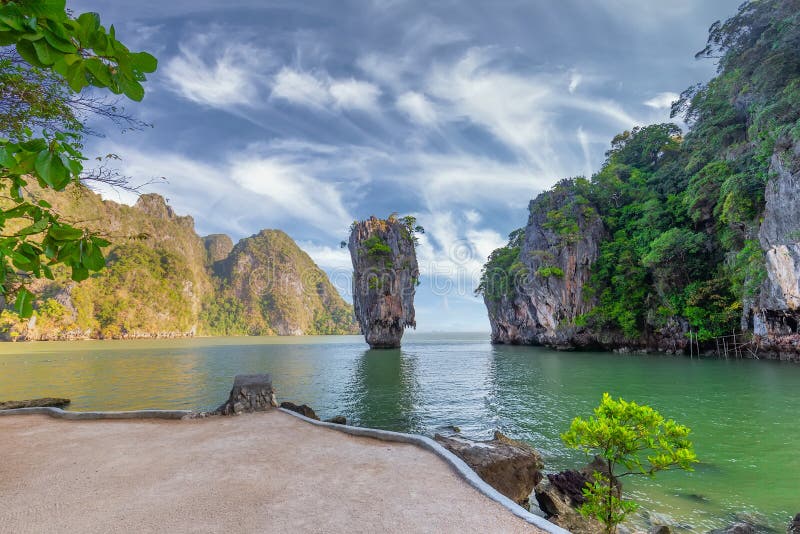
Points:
x=382 y=390
x=743 y=413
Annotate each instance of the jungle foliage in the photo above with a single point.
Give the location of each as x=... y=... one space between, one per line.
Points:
x=681 y=212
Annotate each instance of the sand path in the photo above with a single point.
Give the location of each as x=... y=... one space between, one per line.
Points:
x=265 y=472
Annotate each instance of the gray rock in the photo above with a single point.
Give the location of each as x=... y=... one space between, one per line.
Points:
x=250 y=393
x=339 y=420
x=774 y=314
x=511 y=467
x=302 y=409
x=34 y=403
x=559 y=495
x=794 y=525
x=660 y=529
x=385 y=274
x=736 y=528
x=218 y=247
x=548 y=298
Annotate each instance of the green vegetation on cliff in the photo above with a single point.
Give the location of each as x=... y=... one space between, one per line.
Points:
x=681 y=213
x=162 y=279
x=268 y=285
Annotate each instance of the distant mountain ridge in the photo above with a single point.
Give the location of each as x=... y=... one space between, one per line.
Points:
x=164 y=280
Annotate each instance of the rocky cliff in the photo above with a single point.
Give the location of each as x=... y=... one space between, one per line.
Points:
x=280 y=289
x=385 y=277
x=218 y=247
x=160 y=281
x=539 y=301
x=683 y=241
x=775 y=313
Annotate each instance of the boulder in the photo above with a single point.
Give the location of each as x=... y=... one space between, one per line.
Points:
x=34 y=403
x=250 y=393
x=794 y=526
x=302 y=409
x=660 y=529
x=736 y=528
x=559 y=495
x=511 y=467
x=543 y=304
x=339 y=420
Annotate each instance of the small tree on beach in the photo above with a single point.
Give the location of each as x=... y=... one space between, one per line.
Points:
x=633 y=440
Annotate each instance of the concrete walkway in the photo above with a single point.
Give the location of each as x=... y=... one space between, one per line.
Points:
x=265 y=472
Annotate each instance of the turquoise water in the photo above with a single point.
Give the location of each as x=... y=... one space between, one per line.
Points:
x=743 y=413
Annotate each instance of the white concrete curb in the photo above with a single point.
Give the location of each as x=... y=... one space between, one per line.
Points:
x=458 y=465
x=58 y=413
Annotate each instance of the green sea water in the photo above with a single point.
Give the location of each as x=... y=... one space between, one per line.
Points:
x=744 y=414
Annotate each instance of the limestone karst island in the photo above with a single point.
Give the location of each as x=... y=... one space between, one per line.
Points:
x=404 y=267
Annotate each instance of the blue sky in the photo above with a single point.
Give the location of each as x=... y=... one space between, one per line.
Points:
x=307 y=115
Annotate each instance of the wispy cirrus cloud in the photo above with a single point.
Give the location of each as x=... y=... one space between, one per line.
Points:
x=662 y=100
x=320 y=91
x=213 y=71
x=418 y=107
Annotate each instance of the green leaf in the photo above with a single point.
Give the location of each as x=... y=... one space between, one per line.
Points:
x=76 y=76
x=58 y=43
x=144 y=62
x=93 y=259
x=35 y=228
x=7 y=38
x=88 y=24
x=132 y=89
x=34 y=145
x=48 y=9
x=100 y=242
x=27 y=52
x=12 y=20
x=65 y=232
x=24 y=303
x=79 y=274
x=43 y=52
x=99 y=70
x=51 y=169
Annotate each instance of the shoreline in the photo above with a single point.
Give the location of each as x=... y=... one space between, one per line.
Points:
x=443 y=493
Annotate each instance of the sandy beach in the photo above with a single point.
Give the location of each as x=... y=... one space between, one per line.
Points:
x=267 y=472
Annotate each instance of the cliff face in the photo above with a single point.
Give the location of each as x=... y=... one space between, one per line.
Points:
x=775 y=315
x=385 y=276
x=155 y=283
x=218 y=247
x=700 y=236
x=159 y=281
x=280 y=288
x=546 y=295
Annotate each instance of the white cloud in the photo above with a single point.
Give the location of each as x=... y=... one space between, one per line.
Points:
x=662 y=100
x=417 y=107
x=212 y=71
x=289 y=188
x=258 y=187
x=300 y=88
x=355 y=94
x=321 y=91
x=583 y=140
x=328 y=258
x=575 y=80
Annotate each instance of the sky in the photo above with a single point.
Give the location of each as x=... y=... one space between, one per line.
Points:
x=305 y=116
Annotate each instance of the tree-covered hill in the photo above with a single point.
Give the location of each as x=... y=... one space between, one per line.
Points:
x=699 y=230
x=161 y=281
